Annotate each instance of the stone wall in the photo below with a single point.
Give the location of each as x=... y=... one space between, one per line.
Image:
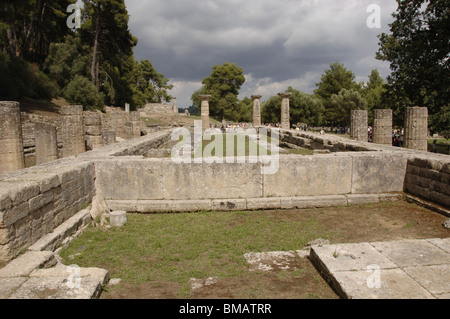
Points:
x=35 y=201
x=161 y=179
x=158 y=109
x=428 y=177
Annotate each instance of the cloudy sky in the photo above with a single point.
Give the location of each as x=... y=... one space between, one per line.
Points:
x=277 y=43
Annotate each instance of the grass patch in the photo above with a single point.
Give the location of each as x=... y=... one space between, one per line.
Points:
x=178 y=247
x=300 y=151
x=248 y=148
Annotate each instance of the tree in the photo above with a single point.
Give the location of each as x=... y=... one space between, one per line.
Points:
x=245 y=110
x=66 y=59
x=304 y=108
x=105 y=26
x=373 y=92
x=344 y=103
x=332 y=82
x=223 y=85
x=82 y=91
x=28 y=27
x=418 y=49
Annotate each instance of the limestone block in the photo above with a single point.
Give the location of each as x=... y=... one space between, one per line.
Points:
x=374 y=174
x=310 y=176
x=118 y=218
x=11 y=150
x=26 y=263
x=46 y=143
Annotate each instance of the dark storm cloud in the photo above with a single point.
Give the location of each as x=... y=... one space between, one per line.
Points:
x=278 y=43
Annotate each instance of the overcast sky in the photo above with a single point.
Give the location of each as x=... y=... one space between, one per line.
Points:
x=277 y=43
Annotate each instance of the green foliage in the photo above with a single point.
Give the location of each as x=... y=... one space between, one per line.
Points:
x=304 y=108
x=332 y=82
x=82 y=91
x=418 y=49
x=223 y=85
x=21 y=79
x=245 y=113
x=344 y=102
x=29 y=26
x=66 y=59
x=373 y=92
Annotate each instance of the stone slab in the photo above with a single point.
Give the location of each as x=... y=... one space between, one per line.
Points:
x=350 y=257
x=413 y=252
x=58 y=288
x=9 y=285
x=26 y=263
x=436 y=278
x=63 y=271
x=443 y=243
x=394 y=284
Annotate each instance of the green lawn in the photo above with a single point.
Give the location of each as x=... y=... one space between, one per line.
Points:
x=248 y=148
x=178 y=247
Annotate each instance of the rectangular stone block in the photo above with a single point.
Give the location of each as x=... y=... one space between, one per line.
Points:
x=374 y=174
x=263 y=203
x=229 y=205
x=313 y=201
x=310 y=176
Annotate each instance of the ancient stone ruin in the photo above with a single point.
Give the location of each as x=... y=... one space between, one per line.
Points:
x=43 y=206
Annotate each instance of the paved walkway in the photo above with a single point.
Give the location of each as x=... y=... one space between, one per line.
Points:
x=406 y=269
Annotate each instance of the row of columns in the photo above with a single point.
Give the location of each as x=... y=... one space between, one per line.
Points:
x=79 y=132
x=416 y=122
x=285 y=112
x=416 y=127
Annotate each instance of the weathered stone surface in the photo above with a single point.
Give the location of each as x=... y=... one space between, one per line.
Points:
x=372 y=174
x=313 y=201
x=285 y=111
x=46 y=143
x=349 y=257
x=205 y=110
x=263 y=203
x=256 y=110
x=433 y=278
x=310 y=176
x=382 y=126
x=72 y=130
x=229 y=204
x=9 y=285
x=359 y=125
x=423 y=253
x=359 y=199
x=58 y=288
x=395 y=284
x=416 y=128
x=11 y=140
x=53 y=240
x=26 y=263
x=118 y=218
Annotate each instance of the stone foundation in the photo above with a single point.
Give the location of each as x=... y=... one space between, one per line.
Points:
x=36 y=201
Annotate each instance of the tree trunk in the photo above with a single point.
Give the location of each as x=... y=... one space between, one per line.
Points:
x=94 y=54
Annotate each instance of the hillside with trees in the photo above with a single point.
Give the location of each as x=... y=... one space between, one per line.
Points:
x=93 y=65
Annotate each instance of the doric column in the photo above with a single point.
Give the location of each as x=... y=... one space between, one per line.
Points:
x=359 y=125
x=205 y=110
x=382 y=126
x=285 y=113
x=256 y=110
x=416 y=128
